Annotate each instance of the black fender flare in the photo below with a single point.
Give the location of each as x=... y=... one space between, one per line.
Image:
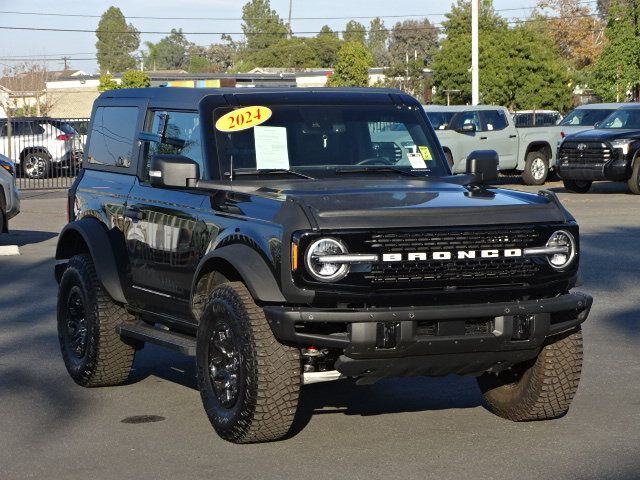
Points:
x=251 y=267
x=96 y=236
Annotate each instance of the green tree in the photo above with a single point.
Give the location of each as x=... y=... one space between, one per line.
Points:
x=352 y=67
x=326 y=31
x=355 y=32
x=215 y=58
x=135 y=79
x=262 y=26
x=107 y=83
x=326 y=48
x=415 y=39
x=117 y=40
x=377 y=42
x=519 y=67
x=617 y=71
x=294 y=53
x=170 y=53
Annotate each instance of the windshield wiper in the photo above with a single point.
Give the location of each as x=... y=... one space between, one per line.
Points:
x=376 y=169
x=269 y=171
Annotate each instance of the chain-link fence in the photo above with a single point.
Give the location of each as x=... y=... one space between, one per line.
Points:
x=47 y=151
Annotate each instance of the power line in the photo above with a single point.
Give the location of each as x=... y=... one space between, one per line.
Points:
x=134 y=17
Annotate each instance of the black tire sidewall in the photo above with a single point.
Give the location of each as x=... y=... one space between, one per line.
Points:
x=226 y=421
x=80 y=369
x=634 y=181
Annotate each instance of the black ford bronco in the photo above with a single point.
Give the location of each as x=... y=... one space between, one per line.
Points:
x=294 y=236
x=610 y=151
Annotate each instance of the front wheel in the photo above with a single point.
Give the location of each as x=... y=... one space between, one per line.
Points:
x=538 y=390
x=634 y=181
x=536 y=169
x=248 y=381
x=577 y=186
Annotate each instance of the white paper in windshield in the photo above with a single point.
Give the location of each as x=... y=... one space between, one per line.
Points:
x=271 y=147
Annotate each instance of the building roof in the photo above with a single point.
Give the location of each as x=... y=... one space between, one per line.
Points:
x=35 y=80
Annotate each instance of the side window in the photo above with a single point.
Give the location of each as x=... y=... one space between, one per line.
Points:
x=20 y=128
x=467 y=118
x=494 y=120
x=112 y=136
x=181 y=137
x=37 y=129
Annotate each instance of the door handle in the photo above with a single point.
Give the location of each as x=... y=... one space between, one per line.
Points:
x=513 y=136
x=483 y=138
x=134 y=213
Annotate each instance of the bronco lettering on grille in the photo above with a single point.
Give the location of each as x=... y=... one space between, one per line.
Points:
x=457 y=255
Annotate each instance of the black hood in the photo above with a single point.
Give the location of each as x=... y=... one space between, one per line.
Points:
x=602 y=135
x=405 y=202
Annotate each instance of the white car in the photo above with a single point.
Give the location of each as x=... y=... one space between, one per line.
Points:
x=40 y=144
x=9 y=193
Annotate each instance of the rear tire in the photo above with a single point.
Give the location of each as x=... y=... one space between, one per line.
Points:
x=577 y=186
x=541 y=389
x=36 y=165
x=634 y=181
x=536 y=169
x=249 y=382
x=93 y=352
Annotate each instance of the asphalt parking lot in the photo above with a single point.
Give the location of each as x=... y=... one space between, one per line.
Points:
x=405 y=428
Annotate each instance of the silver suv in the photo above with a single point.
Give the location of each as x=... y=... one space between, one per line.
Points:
x=9 y=193
x=37 y=145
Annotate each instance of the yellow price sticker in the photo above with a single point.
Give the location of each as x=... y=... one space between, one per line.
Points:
x=426 y=153
x=243 y=119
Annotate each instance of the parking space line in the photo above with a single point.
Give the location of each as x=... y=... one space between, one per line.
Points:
x=7 y=250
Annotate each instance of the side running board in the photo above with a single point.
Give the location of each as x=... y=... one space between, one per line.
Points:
x=147 y=333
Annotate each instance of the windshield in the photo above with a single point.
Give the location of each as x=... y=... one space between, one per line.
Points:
x=624 y=118
x=326 y=140
x=440 y=120
x=586 y=117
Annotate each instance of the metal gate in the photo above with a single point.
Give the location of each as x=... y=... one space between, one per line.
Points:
x=47 y=151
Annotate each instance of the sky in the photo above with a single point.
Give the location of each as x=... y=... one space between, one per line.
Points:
x=81 y=46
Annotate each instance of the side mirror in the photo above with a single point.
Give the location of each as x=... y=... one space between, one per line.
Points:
x=483 y=164
x=172 y=171
x=596 y=125
x=467 y=128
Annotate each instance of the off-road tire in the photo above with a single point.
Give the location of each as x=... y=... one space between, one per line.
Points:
x=634 y=180
x=106 y=360
x=541 y=389
x=269 y=372
x=577 y=186
x=42 y=172
x=534 y=162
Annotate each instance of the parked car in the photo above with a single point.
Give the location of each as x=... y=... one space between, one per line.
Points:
x=40 y=144
x=463 y=129
x=9 y=193
x=586 y=117
x=608 y=152
x=536 y=118
x=264 y=233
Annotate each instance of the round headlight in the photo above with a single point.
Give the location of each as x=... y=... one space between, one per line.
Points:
x=317 y=264
x=565 y=240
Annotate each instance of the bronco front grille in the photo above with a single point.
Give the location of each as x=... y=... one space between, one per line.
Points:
x=450 y=272
x=587 y=154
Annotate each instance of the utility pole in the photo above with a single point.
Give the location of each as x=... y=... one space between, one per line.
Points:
x=475 y=80
x=65 y=60
x=289 y=22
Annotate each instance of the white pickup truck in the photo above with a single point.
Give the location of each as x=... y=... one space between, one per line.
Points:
x=463 y=129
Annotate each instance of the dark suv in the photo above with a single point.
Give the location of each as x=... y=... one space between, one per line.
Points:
x=281 y=239
x=608 y=152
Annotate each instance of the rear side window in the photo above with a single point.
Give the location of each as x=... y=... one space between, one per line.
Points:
x=466 y=118
x=112 y=136
x=494 y=120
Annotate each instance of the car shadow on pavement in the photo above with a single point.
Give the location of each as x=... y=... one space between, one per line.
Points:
x=596 y=188
x=25 y=237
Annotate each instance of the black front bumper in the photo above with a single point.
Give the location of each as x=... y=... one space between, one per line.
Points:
x=616 y=170
x=430 y=340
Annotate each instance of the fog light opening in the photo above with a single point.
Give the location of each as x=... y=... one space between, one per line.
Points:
x=522 y=327
x=387 y=334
